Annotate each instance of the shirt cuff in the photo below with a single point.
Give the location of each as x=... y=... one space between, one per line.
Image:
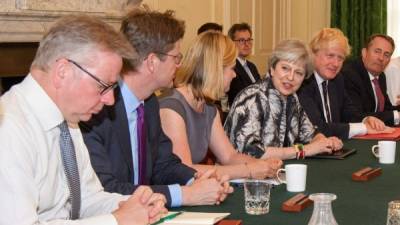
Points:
x=190 y=181
x=396 y=117
x=176 y=195
x=357 y=129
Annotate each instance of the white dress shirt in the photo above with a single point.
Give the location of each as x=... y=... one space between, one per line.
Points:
x=33 y=186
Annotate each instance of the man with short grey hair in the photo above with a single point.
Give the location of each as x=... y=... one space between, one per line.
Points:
x=45 y=174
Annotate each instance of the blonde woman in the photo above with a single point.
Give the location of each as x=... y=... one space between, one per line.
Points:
x=192 y=122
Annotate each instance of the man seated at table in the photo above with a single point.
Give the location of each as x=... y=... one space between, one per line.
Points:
x=365 y=81
x=323 y=96
x=246 y=71
x=45 y=172
x=122 y=157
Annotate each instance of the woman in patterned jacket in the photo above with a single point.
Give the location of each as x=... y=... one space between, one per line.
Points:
x=266 y=119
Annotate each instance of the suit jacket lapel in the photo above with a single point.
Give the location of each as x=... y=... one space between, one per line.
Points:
x=122 y=129
x=367 y=83
x=242 y=74
x=317 y=94
x=253 y=70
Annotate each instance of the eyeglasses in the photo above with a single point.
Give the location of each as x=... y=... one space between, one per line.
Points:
x=178 y=58
x=104 y=86
x=243 y=41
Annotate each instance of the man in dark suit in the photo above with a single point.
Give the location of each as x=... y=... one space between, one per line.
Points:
x=365 y=81
x=246 y=71
x=119 y=154
x=323 y=96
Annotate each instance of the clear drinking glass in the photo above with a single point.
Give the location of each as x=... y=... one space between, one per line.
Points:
x=322 y=213
x=393 y=217
x=257 y=196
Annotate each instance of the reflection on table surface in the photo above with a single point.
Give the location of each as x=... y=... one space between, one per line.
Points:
x=357 y=202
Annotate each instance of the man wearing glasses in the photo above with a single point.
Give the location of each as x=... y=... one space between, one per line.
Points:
x=246 y=71
x=122 y=154
x=45 y=173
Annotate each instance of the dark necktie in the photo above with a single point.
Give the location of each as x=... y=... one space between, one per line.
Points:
x=141 y=135
x=71 y=169
x=379 y=95
x=326 y=106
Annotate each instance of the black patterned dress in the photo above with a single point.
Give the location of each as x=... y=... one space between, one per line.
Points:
x=260 y=117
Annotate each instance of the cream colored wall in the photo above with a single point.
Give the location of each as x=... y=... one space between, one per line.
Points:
x=271 y=20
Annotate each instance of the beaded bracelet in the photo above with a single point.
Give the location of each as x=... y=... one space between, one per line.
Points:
x=300 y=154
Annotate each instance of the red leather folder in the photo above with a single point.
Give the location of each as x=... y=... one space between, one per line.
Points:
x=395 y=136
x=229 y=222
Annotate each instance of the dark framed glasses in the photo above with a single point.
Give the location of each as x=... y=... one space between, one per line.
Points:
x=243 y=41
x=178 y=58
x=104 y=86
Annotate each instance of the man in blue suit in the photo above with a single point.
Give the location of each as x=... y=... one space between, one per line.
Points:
x=112 y=136
x=323 y=95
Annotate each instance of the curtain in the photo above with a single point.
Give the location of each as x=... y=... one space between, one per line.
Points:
x=358 y=19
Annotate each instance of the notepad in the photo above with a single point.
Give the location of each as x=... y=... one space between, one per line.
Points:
x=394 y=136
x=197 y=218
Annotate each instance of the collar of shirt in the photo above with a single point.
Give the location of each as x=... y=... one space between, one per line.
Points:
x=242 y=61
x=49 y=118
x=130 y=100
x=319 y=79
x=371 y=77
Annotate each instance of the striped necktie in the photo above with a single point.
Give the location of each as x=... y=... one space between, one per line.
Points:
x=71 y=169
x=326 y=105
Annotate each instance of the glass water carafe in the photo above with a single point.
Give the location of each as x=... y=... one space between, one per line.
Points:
x=322 y=214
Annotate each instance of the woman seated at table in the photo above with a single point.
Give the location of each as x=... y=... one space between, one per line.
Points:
x=192 y=122
x=266 y=119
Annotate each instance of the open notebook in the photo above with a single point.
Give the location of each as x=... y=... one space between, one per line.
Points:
x=194 y=218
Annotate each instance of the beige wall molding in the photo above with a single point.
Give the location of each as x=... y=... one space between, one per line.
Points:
x=27 y=20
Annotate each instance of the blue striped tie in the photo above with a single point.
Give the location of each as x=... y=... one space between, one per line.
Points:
x=71 y=169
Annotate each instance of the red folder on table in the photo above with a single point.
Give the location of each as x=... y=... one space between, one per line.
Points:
x=394 y=136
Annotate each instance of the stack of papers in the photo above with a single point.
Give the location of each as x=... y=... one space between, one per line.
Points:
x=192 y=218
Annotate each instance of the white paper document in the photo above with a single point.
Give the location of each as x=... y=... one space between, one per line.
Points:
x=196 y=218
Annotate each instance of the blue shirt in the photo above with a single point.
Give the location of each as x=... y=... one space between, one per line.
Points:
x=131 y=103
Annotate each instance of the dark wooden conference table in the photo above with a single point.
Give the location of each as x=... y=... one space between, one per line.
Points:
x=357 y=202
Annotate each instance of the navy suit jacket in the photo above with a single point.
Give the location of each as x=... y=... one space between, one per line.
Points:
x=358 y=86
x=342 y=109
x=241 y=80
x=107 y=138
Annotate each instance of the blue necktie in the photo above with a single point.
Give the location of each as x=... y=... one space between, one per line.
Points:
x=141 y=135
x=71 y=169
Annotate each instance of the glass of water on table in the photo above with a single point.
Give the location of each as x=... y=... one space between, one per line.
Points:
x=257 y=196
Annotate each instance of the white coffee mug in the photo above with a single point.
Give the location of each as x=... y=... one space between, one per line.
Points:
x=385 y=151
x=295 y=177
